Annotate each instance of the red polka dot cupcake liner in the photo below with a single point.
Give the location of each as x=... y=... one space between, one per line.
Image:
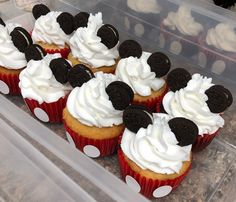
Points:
x=146 y=186
x=9 y=84
x=64 y=52
x=154 y=103
x=92 y=147
x=47 y=112
x=203 y=141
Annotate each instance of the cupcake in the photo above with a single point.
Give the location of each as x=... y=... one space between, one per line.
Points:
x=155 y=151
x=13 y=41
x=52 y=29
x=93 y=113
x=181 y=37
x=144 y=72
x=198 y=99
x=218 y=49
x=94 y=44
x=44 y=84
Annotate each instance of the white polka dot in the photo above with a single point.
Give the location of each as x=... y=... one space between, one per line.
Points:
x=70 y=139
x=4 y=89
x=41 y=114
x=162 y=191
x=91 y=151
x=162 y=41
x=132 y=183
x=176 y=47
x=139 y=29
x=218 y=67
x=127 y=23
x=202 y=59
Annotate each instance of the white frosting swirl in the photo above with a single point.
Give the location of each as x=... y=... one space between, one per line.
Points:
x=144 y=6
x=190 y=102
x=38 y=82
x=223 y=37
x=90 y=103
x=155 y=147
x=87 y=47
x=48 y=30
x=10 y=56
x=183 y=21
x=137 y=73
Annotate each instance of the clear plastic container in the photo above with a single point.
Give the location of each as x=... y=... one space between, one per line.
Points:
x=212 y=175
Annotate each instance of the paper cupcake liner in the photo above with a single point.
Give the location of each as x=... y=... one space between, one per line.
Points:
x=9 y=84
x=47 y=112
x=146 y=186
x=153 y=103
x=64 y=52
x=92 y=147
x=203 y=141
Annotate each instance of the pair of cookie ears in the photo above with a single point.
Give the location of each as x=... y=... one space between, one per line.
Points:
x=225 y=4
x=219 y=98
x=20 y=37
x=68 y=23
x=159 y=62
x=136 y=117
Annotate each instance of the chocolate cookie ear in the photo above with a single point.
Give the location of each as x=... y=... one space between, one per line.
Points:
x=219 y=98
x=39 y=10
x=185 y=130
x=109 y=35
x=60 y=68
x=178 y=78
x=159 y=63
x=120 y=94
x=130 y=48
x=34 y=52
x=136 y=117
x=21 y=38
x=81 y=20
x=2 y=22
x=79 y=74
x=66 y=22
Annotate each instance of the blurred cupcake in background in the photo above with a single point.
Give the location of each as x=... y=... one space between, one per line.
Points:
x=144 y=72
x=44 y=84
x=94 y=44
x=14 y=39
x=198 y=99
x=93 y=113
x=52 y=29
x=155 y=151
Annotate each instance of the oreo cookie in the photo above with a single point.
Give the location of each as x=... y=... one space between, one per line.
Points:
x=79 y=74
x=66 y=22
x=185 y=130
x=178 y=78
x=120 y=94
x=130 y=48
x=219 y=98
x=2 y=22
x=39 y=10
x=34 y=52
x=135 y=117
x=224 y=4
x=81 y=20
x=21 y=38
x=60 y=68
x=109 y=35
x=159 y=63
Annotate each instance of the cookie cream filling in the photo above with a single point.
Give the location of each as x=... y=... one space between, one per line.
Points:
x=90 y=103
x=155 y=147
x=183 y=21
x=138 y=75
x=87 y=47
x=190 y=103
